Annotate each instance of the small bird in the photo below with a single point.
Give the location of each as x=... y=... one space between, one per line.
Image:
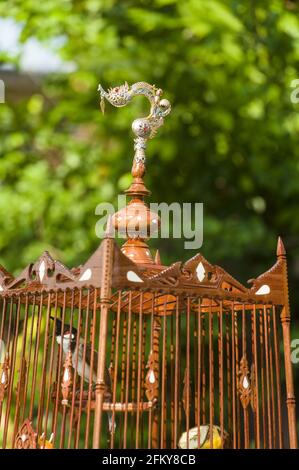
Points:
x=67 y=338
x=204 y=438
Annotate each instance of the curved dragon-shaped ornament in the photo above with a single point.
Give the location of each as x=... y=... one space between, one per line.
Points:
x=144 y=128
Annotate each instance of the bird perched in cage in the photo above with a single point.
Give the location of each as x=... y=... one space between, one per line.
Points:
x=204 y=438
x=67 y=337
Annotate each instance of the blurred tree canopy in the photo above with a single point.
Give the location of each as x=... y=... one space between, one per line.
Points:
x=231 y=141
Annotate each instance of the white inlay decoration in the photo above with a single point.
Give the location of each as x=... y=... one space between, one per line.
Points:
x=245 y=382
x=66 y=375
x=86 y=275
x=3 y=377
x=152 y=378
x=42 y=270
x=265 y=289
x=1 y=288
x=23 y=437
x=133 y=277
x=200 y=272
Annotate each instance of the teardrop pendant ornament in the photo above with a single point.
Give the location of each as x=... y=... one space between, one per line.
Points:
x=244 y=383
x=66 y=379
x=151 y=379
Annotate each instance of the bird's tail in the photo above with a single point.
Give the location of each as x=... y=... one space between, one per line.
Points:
x=112 y=426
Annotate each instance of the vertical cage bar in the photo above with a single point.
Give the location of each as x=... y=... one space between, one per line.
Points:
x=108 y=249
x=156 y=355
x=139 y=369
x=278 y=381
x=133 y=384
x=285 y=318
x=273 y=415
x=115 y=370
x=163 y=384
x=228 y=374
x=22 y=370
x=203 y=358
x=127 y=370
x=237 y=358
x=35 y=360
x=244 y=354
x=235 y=442
x=187 y=375
x=290 y=401
x=83 y=368
x=221 y=374
x=199 y=370
x=44 y=369
x=267 y=378
x=12 y=372
x=59 y=367
x=256 y=380
x=75 y=374
x=51 y=368
x=172 y=359
x=262 y=361
x=92 y=363
x=176 y=374
x=211 y=373
x=3 y=350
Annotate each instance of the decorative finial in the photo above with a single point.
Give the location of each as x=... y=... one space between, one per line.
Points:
x=144 y=128
x=280 y=251
x=135 y=221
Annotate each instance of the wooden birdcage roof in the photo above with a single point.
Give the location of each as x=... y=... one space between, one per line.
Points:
x=196 y=276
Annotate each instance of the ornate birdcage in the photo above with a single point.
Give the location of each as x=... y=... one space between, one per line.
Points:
x=124 y=352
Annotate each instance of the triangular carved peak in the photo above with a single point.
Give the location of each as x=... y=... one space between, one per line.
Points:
x=228 y=282
x=125 y=271
x=5 y=278
x=196 y=273
x=45 y=272
x=270 y=282
x=90 y=273
x=199 y=271
x=169 y=277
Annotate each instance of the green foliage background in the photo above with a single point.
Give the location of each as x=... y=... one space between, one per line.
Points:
x=231 y=141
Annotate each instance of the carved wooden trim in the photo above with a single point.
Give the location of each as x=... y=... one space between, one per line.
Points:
x=253 y=398
x=67 y=379
x=26 y=437
x=4 y=377
x=151 y=379
x=244 y=384
x=196 y=276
